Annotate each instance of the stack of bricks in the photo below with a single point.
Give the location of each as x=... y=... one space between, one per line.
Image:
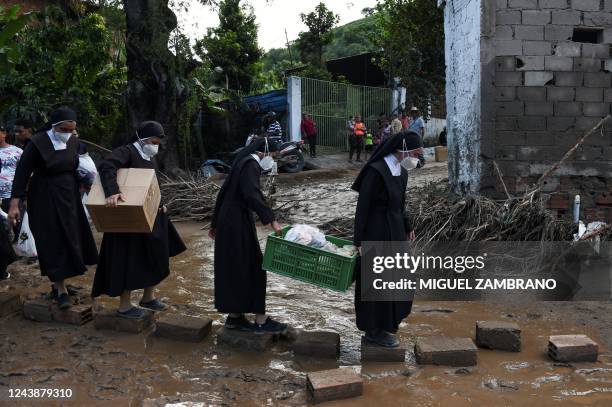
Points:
x=549 y=91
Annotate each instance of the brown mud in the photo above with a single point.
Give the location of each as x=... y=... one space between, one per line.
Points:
x=104 y=368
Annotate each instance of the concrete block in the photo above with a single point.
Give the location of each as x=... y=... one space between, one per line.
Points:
x=587 y=65
x=509 y=108
x=607 y=95
x=568 y=109
x=507 y=17
x=531 y=94
x=539 y=153
x=538 y=78
x=38 y=310
x=531 y=123
x=608 y=65
x=183 y=327
x=596 y=51
x=539 y=138
x=501 y=4
x=553 y=4
x=566 y=17
x=595 y=109
x=322 y=344
x=110 y=320
x=530 y=63
x=586 y=123
x=560 y=123
x=508 y=79
x=499 y=335
x=78 y=314
x=504 y=32
x=539 y=109
x=503 y=152
x=561 y=94
x=585 y=5
x=334 y=384
x=607 y=5
x=558 y=32
x=506 y=123
x=523 y=4
x=597 y=79
x=607 y=36
x=508 y=47
x=537 y=48
x=596 y=19
x=567 y=49
x=505 y=64
x=504 y=93
x=529 y=32
x=569 y=79
x=373 y=353
x=509 y=138
x=244 y=340
x=554 y=63
x=9 y=303
x=589 y=94
x=572 y=348
x=442 y=350
x=535 y=17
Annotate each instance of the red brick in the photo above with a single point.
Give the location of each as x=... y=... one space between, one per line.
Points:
x=558 y=201
x=604 y=199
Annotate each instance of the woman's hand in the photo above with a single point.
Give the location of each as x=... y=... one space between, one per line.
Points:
x=411 y=236
x=212 y=233
x=276 y=227
x=359 y=250
x=113 y=200
x=14 y=214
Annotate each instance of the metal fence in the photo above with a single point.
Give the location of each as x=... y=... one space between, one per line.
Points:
x=331 y=104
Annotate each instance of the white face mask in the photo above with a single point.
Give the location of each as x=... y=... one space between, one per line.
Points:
x=150 y=150
x=408 y=162
x=64 y=137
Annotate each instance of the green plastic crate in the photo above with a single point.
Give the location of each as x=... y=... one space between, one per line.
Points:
x=315 y=266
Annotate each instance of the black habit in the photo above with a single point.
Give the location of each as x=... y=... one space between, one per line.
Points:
x=131 y=261
x=57 y=219
x=240 y=282
x=381 y=216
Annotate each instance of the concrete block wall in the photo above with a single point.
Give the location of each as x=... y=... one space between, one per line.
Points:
x=548 y=91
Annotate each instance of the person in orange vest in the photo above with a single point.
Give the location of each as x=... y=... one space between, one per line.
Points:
x=356 y=142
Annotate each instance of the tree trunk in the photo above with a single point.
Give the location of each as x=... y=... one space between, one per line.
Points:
x=154 y=91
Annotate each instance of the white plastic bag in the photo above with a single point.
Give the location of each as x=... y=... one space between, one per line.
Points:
x=87 y=170
x=26 y=246
x=306 y=235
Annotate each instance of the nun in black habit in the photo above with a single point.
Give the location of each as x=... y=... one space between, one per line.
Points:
x=131 y=261
x=381 y=216
x=240 y=282
x=46 y=177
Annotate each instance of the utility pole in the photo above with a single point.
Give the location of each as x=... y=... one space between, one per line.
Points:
x=288 y=46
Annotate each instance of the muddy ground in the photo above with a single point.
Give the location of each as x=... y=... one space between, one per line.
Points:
x=109 y=368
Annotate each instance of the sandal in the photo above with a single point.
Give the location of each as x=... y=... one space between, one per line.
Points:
x=154 y=305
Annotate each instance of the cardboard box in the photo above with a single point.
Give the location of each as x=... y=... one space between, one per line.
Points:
x=441 y=153
x=137 y=214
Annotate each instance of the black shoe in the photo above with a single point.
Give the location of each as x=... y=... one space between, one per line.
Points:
x=71 y=292
x=132 y=313
x=154 y=305
x=5 y=276
x=63 y=301
x=240 y=323
x=270 y=326
x=358 y=160
x=382 y=338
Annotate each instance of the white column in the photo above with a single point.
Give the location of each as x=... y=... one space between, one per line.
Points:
x=294 y=108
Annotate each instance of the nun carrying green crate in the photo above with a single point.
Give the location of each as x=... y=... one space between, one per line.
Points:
x=240 y=281
x=381 y=216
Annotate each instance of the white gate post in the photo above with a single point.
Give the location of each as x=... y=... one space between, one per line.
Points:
x=294 y=101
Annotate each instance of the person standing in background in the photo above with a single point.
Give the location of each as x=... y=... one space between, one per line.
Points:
x=23 y=133
x=405 y=121
x=359 y=131
x=9 y=156
x=396 y=125
x=309 y=133
x=7 y=254
x=418 y=126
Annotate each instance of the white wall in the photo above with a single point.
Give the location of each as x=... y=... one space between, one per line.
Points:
x=433 y=128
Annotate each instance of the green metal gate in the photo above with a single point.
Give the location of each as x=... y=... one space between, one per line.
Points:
x=331 y=103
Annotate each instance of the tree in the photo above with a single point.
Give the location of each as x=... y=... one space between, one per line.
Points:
x=310 y=44
x=11 y=23
x=412 y=41
x=233 y=46
x=65 y=61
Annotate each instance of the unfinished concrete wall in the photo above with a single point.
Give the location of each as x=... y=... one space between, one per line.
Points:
x=551 y=82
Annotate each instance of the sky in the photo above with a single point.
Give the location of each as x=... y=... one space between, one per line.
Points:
x=273 y=17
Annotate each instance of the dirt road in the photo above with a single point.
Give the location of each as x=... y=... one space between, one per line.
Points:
x=104 y=368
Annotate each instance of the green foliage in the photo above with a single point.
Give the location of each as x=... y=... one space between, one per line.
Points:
x=412 y=39
x=11 y=23
x=63 y=61
x=320 y=23
x=354 y=38
x=233 y=46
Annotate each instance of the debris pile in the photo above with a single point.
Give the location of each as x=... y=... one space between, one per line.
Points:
x=188 y=198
